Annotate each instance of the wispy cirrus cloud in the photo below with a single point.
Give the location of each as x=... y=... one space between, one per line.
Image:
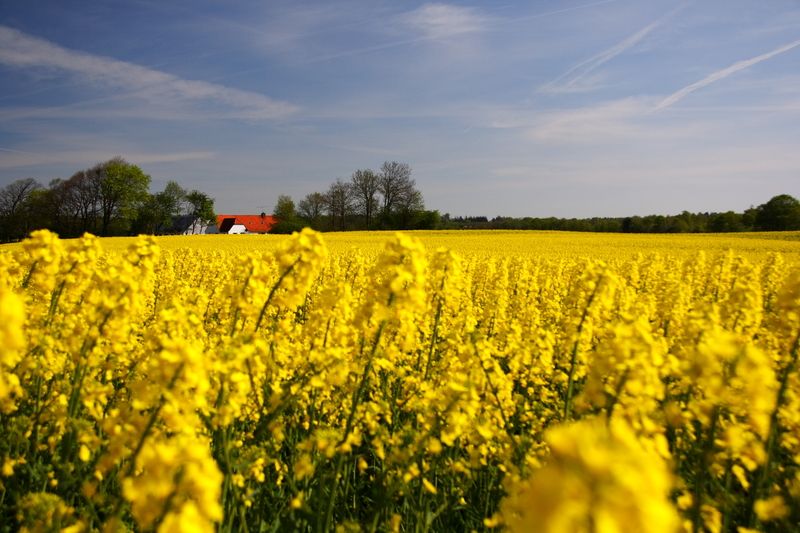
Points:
x=440 y=21
x=598 y=123
x=569 y=80
x=617 y=122
x=722 y=74
x=428 y=23
x=20 y=50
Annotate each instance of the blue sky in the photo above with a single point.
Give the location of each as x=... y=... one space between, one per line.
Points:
x=539 y=108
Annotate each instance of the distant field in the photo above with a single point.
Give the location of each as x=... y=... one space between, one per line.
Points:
x=507 y=243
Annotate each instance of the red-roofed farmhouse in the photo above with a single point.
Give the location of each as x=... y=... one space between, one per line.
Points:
x=245 y=223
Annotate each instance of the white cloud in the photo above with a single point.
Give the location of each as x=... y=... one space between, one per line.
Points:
x=20 y=50
x=173 y=157
x=440 y=21
x=603 y=122
x=723 y=73
x=21 y=159
x=625 y=121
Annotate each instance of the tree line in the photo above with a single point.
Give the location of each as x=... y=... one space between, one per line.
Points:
x=781 y=213
x=110 y=198
x=113 y=198
x=383 y=199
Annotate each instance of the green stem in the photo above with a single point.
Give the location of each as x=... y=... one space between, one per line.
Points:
x=237 y=311
x=614 y=400
x=701 y=473
x=349 y=425
x=151 y=422
x=272 y=292
x=726 y=513
x=168 y=502
x=434 y=338
x=574 y=356
x=774 y=430
x=140 y=444
x=27 y=279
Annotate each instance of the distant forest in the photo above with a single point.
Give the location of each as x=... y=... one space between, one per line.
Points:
x=389 y=199
x=781 y=213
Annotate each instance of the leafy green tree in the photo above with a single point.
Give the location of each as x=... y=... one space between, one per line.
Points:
x=725 y=222
x=149 y=218
x=428 y=220
x=122 y=191
x=284 y=208
x=172 y=199
x=780 y=213
x=159 y=211
x=749 y=218
x=285 y=212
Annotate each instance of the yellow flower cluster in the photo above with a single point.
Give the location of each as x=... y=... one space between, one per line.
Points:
x=450 y=381
x=12 y=345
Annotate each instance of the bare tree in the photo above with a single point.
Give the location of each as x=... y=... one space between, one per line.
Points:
x=339 y=203
x=15 y=200
x=76 y=201
x=62 y=206
x=391 y=181
x=369 y=199
x=14 y=195
x=409 y=204
x=365 y=186
x=311 y=208
x=84 y=189
x=200 y=207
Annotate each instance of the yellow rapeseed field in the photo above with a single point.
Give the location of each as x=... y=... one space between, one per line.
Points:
x=442 y=381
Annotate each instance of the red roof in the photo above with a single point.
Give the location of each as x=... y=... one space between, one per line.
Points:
x=253 y=223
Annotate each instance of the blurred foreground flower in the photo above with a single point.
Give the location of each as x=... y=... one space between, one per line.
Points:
x=598 y=479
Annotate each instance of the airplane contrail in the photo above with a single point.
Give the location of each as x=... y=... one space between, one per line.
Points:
x=722 y=74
